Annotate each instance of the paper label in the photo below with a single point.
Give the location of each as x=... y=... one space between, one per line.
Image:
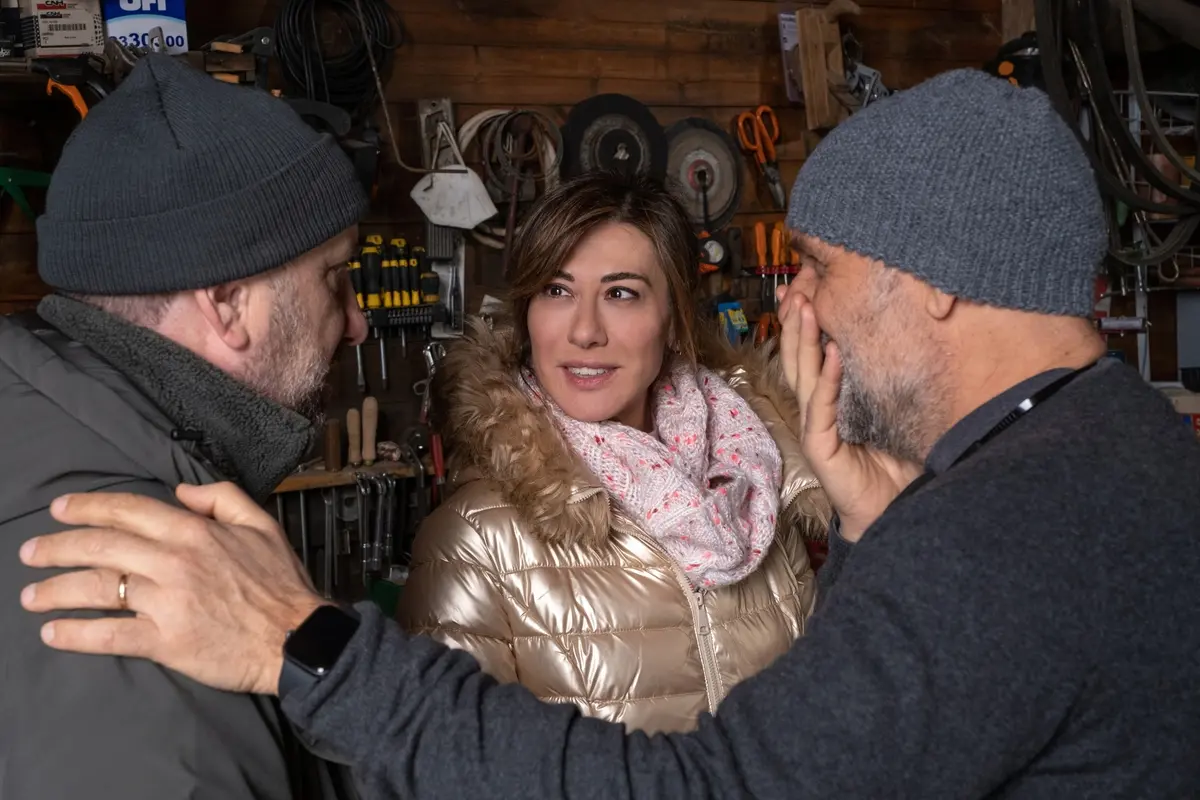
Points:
x=130 y=22
x=61 y=26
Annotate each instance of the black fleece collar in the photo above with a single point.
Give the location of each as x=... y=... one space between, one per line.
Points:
x=248 y=438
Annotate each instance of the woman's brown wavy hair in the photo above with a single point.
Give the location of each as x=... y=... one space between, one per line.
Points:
x=567 y=213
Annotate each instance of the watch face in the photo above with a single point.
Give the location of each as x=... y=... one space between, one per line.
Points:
x=320 y=639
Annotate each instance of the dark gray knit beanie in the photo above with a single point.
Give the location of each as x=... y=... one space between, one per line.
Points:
x=178 y=181
x=967 y=182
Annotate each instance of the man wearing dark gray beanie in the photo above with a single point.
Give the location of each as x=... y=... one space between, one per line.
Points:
x=1009 y=605
x=196 y=234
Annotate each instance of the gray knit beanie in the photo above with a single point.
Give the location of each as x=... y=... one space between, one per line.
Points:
x=971 y=184
x=178 y=181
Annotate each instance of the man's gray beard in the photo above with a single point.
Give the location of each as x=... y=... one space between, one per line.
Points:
x=291 y=369
x=888 y=418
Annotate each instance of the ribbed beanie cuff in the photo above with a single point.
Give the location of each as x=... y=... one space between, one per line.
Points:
x=213 y=196
x=970 y=184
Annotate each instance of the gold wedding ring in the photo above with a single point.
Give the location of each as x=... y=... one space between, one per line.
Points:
x=123 y=592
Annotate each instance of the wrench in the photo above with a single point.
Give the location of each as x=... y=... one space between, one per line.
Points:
x=304 y=529
x=330 y=532
x=364 y=509
x=380 y=522
x=390 y=525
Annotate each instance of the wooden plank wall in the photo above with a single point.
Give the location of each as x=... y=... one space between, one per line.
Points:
x=712 y=58
x=706 y=57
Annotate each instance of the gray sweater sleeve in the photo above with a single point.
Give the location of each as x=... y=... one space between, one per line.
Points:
x=894 y=691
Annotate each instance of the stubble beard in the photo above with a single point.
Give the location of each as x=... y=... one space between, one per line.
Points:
x=292 y=366
x=888 y=414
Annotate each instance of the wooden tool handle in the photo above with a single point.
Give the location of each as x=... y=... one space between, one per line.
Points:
x=370 y=420
x=333 y=445
x=354 y=434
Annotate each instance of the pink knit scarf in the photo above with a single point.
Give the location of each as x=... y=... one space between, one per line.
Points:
x=706 y=487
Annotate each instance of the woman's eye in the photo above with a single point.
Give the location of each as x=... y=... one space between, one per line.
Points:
x=554 y=290
x=621 y=293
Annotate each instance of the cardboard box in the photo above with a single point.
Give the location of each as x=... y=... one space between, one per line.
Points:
x=61 y=27
x=1187 y=405
x=130 y=22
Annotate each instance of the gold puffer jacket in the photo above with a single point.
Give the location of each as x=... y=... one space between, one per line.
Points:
x=530 y=568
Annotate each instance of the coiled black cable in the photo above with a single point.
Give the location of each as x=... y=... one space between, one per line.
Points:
x=345 y=78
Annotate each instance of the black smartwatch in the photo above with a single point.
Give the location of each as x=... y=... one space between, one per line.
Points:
x=310 y=651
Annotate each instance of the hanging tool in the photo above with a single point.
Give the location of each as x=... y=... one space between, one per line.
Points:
x=614 y=133
x=72 y=77
x=372 y=265
x=327 y=576
x=332 y=445
x=364 y=509
x=388 y=295
x=411 y=282
x=703 y=159
x=370 y=422
x=390 y=527
x=433 y=353
x=453 y=307
x=356 y=279
x=400 y=284
x=758 y=130
x=375 y=562
x=422 y=500
x=768 y=323
x=354 y=434
x=304 y=528
x=779 y=253
x=429 y=284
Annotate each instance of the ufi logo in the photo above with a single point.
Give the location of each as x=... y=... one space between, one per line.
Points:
x=144 y=5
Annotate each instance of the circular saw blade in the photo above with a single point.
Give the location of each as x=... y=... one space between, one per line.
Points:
x=616 y=133
x=701 y=156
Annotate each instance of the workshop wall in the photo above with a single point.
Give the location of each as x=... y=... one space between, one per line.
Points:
x=710 y=58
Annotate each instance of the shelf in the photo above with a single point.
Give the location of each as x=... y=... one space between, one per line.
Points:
x=16 y=70
x=318 y=478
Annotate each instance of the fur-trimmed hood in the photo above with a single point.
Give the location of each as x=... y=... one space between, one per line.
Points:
x=493 y=432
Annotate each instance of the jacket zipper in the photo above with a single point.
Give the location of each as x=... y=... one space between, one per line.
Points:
x=696 y=602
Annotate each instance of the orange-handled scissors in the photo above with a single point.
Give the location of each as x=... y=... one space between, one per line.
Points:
x=758 y=130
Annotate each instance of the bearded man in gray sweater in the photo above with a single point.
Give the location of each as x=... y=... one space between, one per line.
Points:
x=1009 y=607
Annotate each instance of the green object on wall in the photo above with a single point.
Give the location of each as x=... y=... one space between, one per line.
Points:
x=14 y=181
x=386 y=595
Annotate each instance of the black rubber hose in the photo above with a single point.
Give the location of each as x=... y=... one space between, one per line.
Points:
x=1090 y=45
x=1050 y=48
x=344 y=79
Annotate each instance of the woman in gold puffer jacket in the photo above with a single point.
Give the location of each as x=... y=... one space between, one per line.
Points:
x=554 y=570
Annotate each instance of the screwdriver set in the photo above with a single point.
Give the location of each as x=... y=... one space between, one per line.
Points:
x=398 y=291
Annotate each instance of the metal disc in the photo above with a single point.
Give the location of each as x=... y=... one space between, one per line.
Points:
x=701 y=155
x=615 y=133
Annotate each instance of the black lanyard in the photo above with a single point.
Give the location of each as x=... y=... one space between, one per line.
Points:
x=1021 y=409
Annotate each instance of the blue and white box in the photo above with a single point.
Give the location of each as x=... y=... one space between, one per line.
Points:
x=130 y=22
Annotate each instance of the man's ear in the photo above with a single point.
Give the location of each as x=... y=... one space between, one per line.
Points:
x=938 y=304
x=225 y=308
